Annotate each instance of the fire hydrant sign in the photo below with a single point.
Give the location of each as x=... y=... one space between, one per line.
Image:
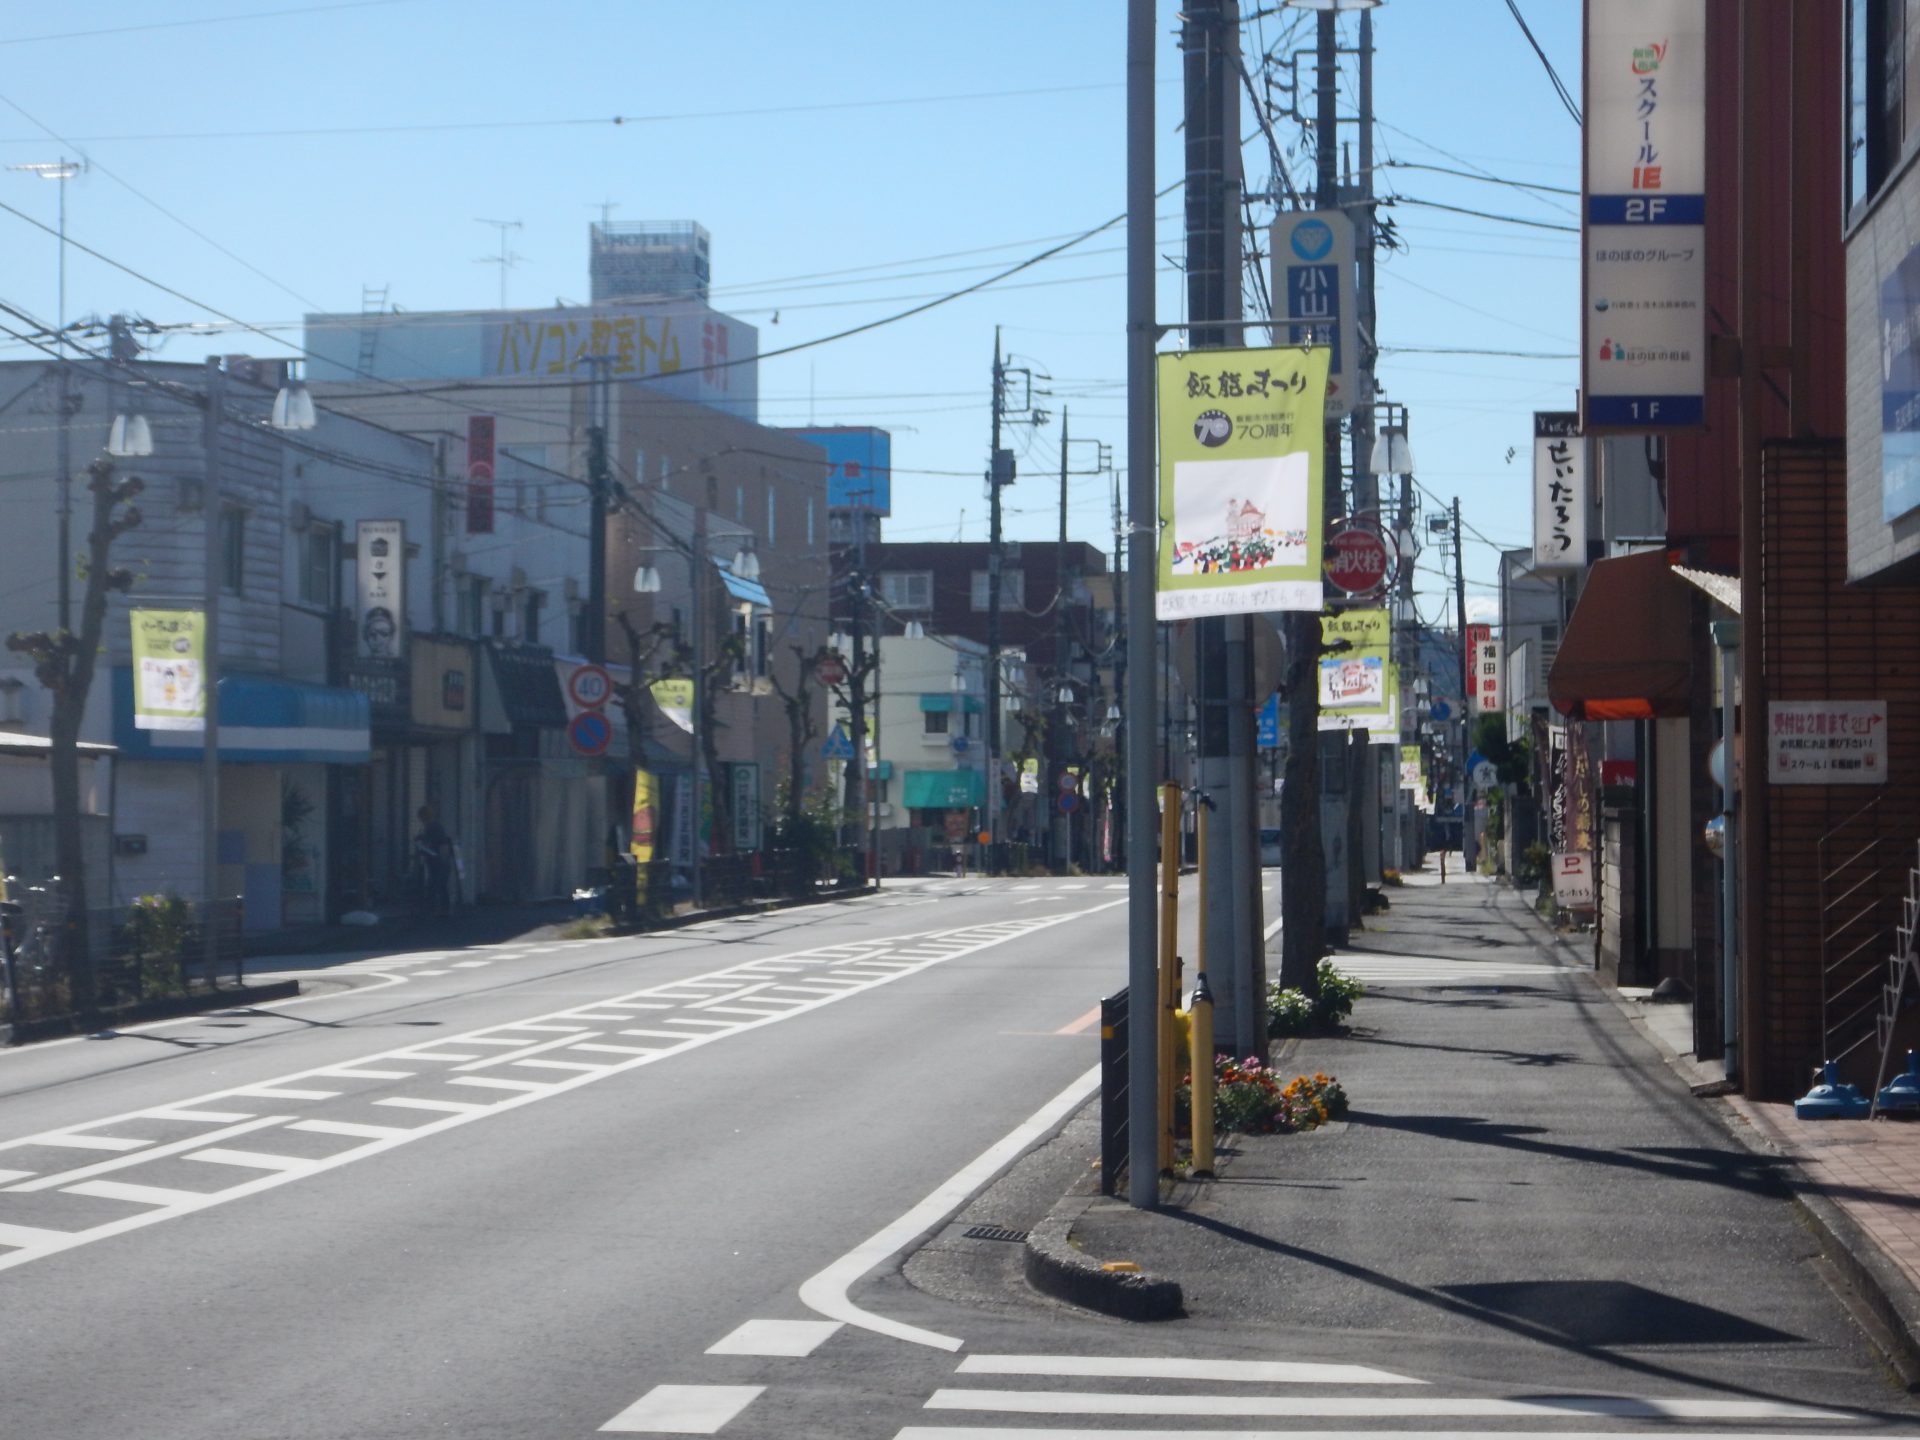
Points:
x=1827 y=742
x=1241 y=510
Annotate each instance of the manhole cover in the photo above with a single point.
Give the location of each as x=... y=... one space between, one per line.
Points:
x=993 y=1232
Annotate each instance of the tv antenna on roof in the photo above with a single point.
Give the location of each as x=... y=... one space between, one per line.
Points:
x=506 y=259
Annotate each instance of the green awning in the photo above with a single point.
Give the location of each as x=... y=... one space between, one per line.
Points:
x=880 y=770
x=944 y=789
x=936 y=704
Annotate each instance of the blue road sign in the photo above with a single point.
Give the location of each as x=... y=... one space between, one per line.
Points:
x=837 y=746
x=1266 y=725
x=1441 y=710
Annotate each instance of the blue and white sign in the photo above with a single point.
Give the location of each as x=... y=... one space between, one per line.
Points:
x=1313 y=268
x=1643 y=224
x=1266 y=724
x=836 y=746
x=1900 y=388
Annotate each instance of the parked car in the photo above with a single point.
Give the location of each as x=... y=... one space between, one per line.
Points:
x=1269 y=846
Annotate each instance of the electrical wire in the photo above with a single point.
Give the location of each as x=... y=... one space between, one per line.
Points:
x=1559 y=87
x=200 y=20
x=1480 y=214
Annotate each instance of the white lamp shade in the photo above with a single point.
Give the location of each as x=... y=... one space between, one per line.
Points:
x=1391 y=455
x=646 y=581
x=293 y=409
x=746 y=565
x=130 y=436
x=915 y=630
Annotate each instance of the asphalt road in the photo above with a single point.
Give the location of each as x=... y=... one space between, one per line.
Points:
x=670 y=1185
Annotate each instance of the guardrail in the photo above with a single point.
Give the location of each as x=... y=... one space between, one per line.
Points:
x=56 y=964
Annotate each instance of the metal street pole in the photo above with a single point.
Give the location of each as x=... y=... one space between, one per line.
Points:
x=998 y=460
x=1143 y=1018
x=593 y=639
x=698 y=566
x=1467 y=846
x=211 y=558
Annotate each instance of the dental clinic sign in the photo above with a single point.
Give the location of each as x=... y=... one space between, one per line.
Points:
x=1643 y=221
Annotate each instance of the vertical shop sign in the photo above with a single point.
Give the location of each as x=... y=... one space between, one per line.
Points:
x=480 y=462
x=1643 y=221
x=1559 y=491
x=380 y=627
x=1241 y=508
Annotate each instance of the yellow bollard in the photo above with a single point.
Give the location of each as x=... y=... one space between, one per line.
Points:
x=1200 y=1031
x=1168 y=997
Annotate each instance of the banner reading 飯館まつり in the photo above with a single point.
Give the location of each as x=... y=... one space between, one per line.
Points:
x=1241 y=510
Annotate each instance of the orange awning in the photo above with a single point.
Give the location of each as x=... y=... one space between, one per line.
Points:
x=1628 y=651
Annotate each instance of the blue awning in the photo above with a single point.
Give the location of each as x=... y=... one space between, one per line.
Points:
x=751 y=591
x=936 y=704
x=262 y=721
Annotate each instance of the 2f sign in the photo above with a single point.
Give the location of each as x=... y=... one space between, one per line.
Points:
x=1645 y=209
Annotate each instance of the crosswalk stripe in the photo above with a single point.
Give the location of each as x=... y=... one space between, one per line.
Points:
x=139 y=1194
x=1289 y=1372
x=1352 y=1407
x=788 y=1338
x=683 y=1409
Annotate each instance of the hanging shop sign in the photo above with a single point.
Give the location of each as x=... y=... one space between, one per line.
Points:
x=1313 y=269
x=1486 y=677
x=744 y=805
x=1827 y=742
x=380 y=628
x=1643 y=220
x=1359 y=686
x=1573 y=880
x=1240 y=481
x=1559 y=491
x=169 y=670
x=675 y=699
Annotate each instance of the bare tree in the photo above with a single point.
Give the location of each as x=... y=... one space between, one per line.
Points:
x=802 y=723
x=64 y=664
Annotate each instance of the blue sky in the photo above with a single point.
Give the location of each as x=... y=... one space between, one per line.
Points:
x=850 y=161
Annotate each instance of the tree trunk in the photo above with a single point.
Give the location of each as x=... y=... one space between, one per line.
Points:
x=1303 y=872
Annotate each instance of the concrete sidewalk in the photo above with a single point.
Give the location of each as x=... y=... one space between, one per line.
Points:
x=1540 y=1135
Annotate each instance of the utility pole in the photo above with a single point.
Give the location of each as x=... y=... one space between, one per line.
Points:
x=211 y=557
x=1143 y=700
x=861 y=594
x=1059 y=824
x=1303 y=873
x=1210 y=43
x=593 y=637
x=999 y=473
x=1467 y=846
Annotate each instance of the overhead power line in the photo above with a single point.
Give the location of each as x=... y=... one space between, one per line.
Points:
x=1559 y=87
x=1480 y=214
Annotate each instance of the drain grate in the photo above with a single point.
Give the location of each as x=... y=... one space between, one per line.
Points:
x=993 y=1232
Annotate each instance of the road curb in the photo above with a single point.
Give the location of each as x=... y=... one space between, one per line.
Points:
x=27 y=1031
x=1055 y=1266
x=752 y=907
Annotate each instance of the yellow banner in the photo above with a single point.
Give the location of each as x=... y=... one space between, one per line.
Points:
x=675 y=699
x=169 y=670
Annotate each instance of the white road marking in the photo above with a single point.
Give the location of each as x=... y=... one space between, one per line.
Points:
x=1384 y=1407
x=213 y=1117
x=60 y=1178
x=444 y=1107
x=573 y=1035
x=268 y=1092
x=556 y=1065
x=7 y=1177
x=775 y=1337
x=249 y=1160
x=470 y=964
x=494 y=1084
x=75 y=1141
x=683 y=1409
x=345 y=1073
x=826 y=1293
x=139 y=1194
x=28 y=1237
x=432 y=972
x=1261 y=1372
x=450 y=1057
x=1021 y=1432
x=658 y=1034
x=349 y=1128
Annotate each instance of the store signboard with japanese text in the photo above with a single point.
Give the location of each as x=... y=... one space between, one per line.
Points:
x=380 y=619
x=1827 y=742
x=1313 y=271
x=1486 y=677
x=1359 y=687
x=1573 y=880
x=169 y=670
x=1241 y=506
x=1559 y=492
x=1643 y=219
x=1412 y=776
x=744 y=803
